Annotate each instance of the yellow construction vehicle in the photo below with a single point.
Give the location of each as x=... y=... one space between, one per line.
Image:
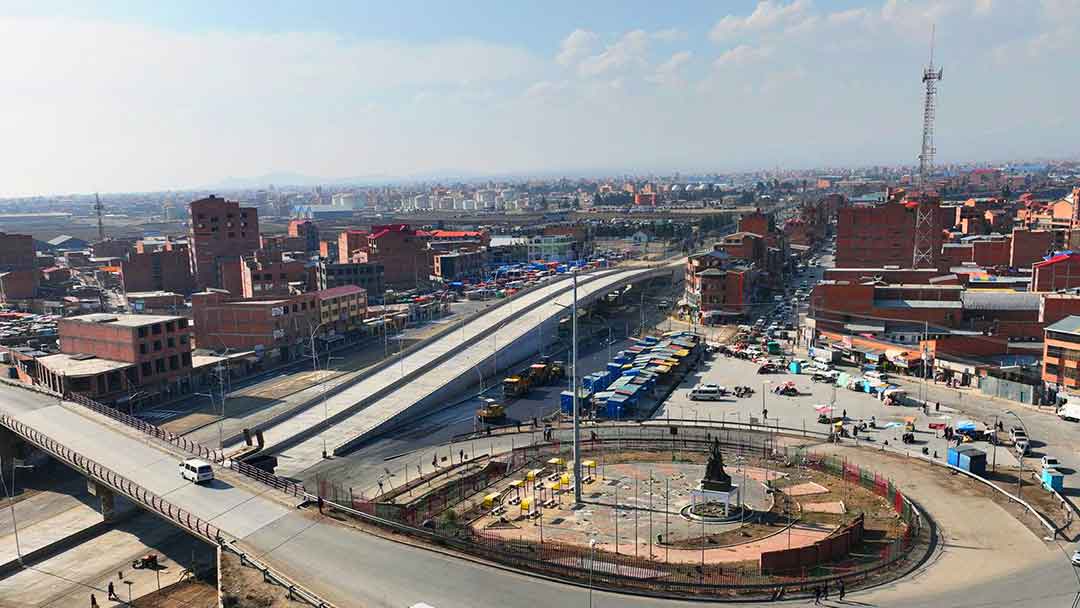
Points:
x=491 y=411
x=515 y=386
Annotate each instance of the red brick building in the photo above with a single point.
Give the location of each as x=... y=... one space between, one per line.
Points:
x=718 y=287
x=1029 y=246
x=164 y=268
x=1061 y=271
x=220 y=229
x=307 y=232
x=274 y=328
x=1061 y=354
x=18 y=285
x=16 y=251
x=403 y=254
x=121 y=357
x=884 y=235
x=350 y=243
x=264 y=274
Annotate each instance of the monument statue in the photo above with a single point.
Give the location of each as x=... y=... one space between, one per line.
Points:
x=716 y=479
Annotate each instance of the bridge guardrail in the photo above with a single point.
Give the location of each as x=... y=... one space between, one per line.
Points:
x=116 y=481
x=192 y=447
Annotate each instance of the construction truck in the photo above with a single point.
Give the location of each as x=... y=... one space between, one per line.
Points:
x=491 y=412
x=516 y=386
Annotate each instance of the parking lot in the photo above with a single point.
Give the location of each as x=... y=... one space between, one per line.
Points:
x=798 y=412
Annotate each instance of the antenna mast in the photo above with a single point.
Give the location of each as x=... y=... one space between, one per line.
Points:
x=923 y=255
x=99 y=208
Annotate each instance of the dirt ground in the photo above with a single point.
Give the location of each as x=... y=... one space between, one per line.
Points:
x=243 y=587
x=185 y=594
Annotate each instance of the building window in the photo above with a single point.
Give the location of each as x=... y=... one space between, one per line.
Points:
x=147 y=369
x=186 y=358
x=170 y=327
x=159 y=365
x=155 y=329
x=174 y=362
x=183 y=339
x=142 y=332
x=157 y=345
x=142 y=348
x=232 y=235
x=171 y=342
x=182 y=323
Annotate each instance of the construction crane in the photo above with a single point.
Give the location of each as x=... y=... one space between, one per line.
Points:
x=99 y=208
x=923 y=255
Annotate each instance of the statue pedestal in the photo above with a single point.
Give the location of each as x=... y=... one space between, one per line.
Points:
x=701 y=496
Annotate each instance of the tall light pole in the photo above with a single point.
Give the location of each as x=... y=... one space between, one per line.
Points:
x=1019 y=457
x=574 y=391
x=11 y=501
x=325 y=408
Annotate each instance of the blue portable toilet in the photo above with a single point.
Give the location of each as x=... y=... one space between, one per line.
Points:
x=795 y=367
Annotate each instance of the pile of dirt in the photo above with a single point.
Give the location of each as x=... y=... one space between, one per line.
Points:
x=243 y=587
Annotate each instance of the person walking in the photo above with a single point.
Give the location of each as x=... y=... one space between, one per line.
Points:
x=93 y=601
x=112 y=592
x=840 y=589
x=825 y=591
x=817 y=596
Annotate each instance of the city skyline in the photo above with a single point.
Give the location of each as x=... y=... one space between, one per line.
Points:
x=138 y=97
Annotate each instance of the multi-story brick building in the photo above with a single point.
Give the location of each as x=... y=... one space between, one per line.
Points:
x=158 y=267
x=350 y=243
x=220 y=229
x=718 y=287
x=276 y=329
x=367 y=276
x=460 y=265
x=1059 y=272
x=307 y=232
x=1061 y=355
x=403 y=254
x=342 y=311
x=121 y=357
x=264 y=274
x=884 y=235
x=16 y=251
x=18 y=285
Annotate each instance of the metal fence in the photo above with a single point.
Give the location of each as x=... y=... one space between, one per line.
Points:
x=605 y=568
x=192 y=447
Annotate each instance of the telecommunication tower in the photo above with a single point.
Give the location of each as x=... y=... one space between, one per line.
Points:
x=923 y=255
x=99 y=209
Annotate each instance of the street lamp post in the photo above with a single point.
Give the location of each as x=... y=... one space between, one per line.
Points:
x=574 y=391
x=326 y=411
x=11 y=502
x=1019 y=457
x=592 y=563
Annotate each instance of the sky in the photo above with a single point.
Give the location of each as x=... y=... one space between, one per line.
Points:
x=116 y=96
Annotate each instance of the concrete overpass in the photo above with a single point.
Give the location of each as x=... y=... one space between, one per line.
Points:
x=421 y=381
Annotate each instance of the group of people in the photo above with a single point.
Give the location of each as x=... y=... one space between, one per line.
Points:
x=821 y=592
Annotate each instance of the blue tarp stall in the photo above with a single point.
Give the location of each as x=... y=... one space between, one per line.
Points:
x=966 y=427
x=968 y=458
x=795 y=367
x=1052 y=479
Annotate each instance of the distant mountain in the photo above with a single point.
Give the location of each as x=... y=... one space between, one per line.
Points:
x=286 y=178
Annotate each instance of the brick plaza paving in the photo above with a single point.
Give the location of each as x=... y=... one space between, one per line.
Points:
x=644 y=513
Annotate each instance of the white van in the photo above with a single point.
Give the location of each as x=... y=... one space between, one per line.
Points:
x=876 y=376
x=196 y=471
x=707 y=392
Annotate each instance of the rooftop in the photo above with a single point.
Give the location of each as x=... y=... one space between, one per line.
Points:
x=1001 y=300
x=150 y=294
x=80 y=365
x=125 y=320
x=344 y=290
x=1068 y=325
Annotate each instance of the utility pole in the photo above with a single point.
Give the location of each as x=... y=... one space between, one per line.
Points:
x=923 y=254
x=574 y=390
x=99 y=208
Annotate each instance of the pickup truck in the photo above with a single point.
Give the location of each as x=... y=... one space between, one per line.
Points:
x=1069 y=411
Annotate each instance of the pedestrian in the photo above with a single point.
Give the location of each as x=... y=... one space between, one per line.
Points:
x=840 y=589
x=937 y=406
x=845 y=414
x=434 y=461
x=461 y=456
x=825 y=591
x=817 y=596
x=112 y=591
x=93 y=601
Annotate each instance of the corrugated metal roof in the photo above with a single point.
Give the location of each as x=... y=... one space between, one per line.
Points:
x=1068 y=325
x=1001 y=300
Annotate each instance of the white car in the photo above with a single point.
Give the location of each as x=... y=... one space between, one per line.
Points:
x=707 y=392
x=196 y=471
x=1075 y=558
x=1049 y=462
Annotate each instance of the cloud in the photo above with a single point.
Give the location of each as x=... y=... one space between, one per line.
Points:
x=627 y=51
x=767 y=15
x=983 y=7
x=671 y=34
x=575 y=46
x=849 y=16
x=668 y=72
x=743 y=54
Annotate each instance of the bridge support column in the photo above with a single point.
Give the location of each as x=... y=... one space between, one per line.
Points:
x=106 y=498
x=11 y=448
